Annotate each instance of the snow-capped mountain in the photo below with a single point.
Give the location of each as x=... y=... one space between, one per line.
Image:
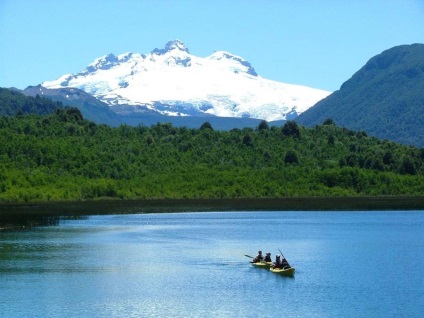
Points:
x=171 y=81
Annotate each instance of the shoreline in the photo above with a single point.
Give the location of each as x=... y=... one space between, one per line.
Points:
x=22 y=216
x=117 y=206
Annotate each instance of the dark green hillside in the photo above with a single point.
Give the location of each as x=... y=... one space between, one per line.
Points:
x=13 y=102
x=90 y=107
x=64 y=157
x=385 y=98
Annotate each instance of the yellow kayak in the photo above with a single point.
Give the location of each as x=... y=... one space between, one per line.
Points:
x=262 y=264
x=282 y=271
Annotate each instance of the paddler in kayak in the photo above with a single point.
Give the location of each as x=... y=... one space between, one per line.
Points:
x=277 y=263
x=268 y=257
x=258 y=257
x=285 y=264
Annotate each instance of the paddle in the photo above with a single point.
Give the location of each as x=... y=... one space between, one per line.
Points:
x=284 y=258
x=253 y=258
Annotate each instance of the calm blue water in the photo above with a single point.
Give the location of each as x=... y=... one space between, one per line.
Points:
x=359 y=264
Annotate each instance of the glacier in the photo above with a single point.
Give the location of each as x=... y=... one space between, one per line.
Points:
x=173 y=82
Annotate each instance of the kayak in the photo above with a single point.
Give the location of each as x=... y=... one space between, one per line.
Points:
x=282 y=271
x=262 y=264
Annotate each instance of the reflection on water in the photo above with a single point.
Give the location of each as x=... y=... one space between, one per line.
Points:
x=26 y=221
x=193 y=264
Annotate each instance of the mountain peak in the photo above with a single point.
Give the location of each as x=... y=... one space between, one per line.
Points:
x=222 y=55
x=171 y=46
x=171 y=81
x=106 y=62
x=176 y=44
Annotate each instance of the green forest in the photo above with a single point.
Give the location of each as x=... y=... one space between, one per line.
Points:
x=62 y=156
x=15 y=103
x=385 y=98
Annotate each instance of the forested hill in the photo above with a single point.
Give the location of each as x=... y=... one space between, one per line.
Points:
x=62 y=156
x=40 y=100
x=90 y=107
x=14 y=102
x=384 y=98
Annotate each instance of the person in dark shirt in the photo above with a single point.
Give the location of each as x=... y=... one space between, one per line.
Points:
x=285 y=264
x=268 y=257
x=277 y=263
x=258 y=257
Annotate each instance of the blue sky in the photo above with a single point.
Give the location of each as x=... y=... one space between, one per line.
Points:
x=314 y=43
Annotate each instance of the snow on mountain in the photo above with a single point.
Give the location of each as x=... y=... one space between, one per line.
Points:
x=173 y=82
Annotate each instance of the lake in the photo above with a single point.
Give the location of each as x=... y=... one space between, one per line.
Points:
x=348 y=264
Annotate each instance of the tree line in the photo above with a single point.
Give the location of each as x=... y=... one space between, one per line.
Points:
x=62 y=156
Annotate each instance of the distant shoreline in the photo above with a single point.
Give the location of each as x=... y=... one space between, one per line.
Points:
x=112 y=206
x=20 y=216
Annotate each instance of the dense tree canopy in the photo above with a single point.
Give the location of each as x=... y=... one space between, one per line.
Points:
x=15 y=103
x=62 y=156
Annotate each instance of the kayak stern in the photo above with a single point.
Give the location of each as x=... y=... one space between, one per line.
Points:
x=283 y=272
x=262 y=264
